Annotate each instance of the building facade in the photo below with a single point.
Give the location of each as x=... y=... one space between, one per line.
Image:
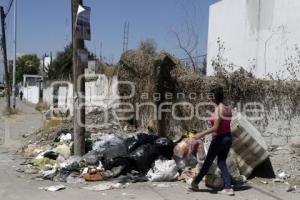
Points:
x=261 y=36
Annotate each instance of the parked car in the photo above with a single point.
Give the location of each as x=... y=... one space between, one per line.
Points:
x=2 y=90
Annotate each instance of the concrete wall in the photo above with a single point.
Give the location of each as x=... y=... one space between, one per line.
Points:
x=260 y=33
x=280 y=129
x=31 y=94
x=102 y=92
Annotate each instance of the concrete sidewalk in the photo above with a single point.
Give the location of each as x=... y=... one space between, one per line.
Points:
x=24 y=122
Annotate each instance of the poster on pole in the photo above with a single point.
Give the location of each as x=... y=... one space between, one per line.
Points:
x=83 y=57
x=83 y=27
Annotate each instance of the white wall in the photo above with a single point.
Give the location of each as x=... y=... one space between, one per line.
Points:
x=260 y=33
x=31 y=94
x=99 y=93
x=103 y=93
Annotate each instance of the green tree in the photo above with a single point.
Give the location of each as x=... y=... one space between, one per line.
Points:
x=61 y=67
x=149 y=46
x=27 y=64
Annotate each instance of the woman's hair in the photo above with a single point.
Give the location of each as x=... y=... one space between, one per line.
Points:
x=217 y=94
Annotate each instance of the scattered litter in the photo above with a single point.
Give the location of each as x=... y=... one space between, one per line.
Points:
x=264 y=182
x=26 y=162
x=105 y=186
x=43 y=162
x=74 y=180
x=32 y=170
x=53 y=188
x=66 y=138
x=20 y=170
x=291 y=188
x=50 y=173
x=189 y=181
x=284 y=175
x=189 y=147
x=188 y=173
x=128 y=159
x=93 y=176
x=284 y=150
x=63 y=150
x=160 y=185
x=277 y=180
x=125 y=194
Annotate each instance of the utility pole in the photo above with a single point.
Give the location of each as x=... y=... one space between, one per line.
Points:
x=79 y=87
x=3 y=43
x=125 y=36
x=15 y=55
x=100 y=52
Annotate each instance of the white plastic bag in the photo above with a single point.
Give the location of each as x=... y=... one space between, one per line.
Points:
x=163 y=170
x=106 y=141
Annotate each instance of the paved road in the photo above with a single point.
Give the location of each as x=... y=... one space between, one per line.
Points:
x=18 y=186
x=12 y=128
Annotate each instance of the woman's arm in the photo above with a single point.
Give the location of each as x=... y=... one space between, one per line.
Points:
x=214 y=128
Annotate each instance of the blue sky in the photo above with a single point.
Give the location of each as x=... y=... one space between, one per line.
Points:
x=45 y=26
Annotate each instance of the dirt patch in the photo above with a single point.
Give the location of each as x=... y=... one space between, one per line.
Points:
x=287 y=159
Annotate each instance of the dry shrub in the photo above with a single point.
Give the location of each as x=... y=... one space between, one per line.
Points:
x=108 y=70
x=53 y=122
x=42 y=106
x=164 y=73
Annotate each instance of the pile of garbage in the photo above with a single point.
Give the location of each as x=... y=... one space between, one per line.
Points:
x=139 y=157
x=41 y=139
x=144 y=156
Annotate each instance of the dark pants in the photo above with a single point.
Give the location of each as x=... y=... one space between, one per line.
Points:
x=219 y=147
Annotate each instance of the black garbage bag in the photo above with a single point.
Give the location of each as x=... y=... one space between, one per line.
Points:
x=92 y=158
x=66 y=171
x=115 y=151
x=88 y=145
x=144 y=156
x=51 y=155
x=120 y=161
x=140 y=139
x=165 y=147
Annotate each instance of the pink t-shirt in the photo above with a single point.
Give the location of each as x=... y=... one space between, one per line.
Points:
x=225 y=121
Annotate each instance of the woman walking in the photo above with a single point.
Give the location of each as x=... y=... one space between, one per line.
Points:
x=222 y=140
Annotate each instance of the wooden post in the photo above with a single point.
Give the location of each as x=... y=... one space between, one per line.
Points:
x=79 y=88
x=3 y=43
